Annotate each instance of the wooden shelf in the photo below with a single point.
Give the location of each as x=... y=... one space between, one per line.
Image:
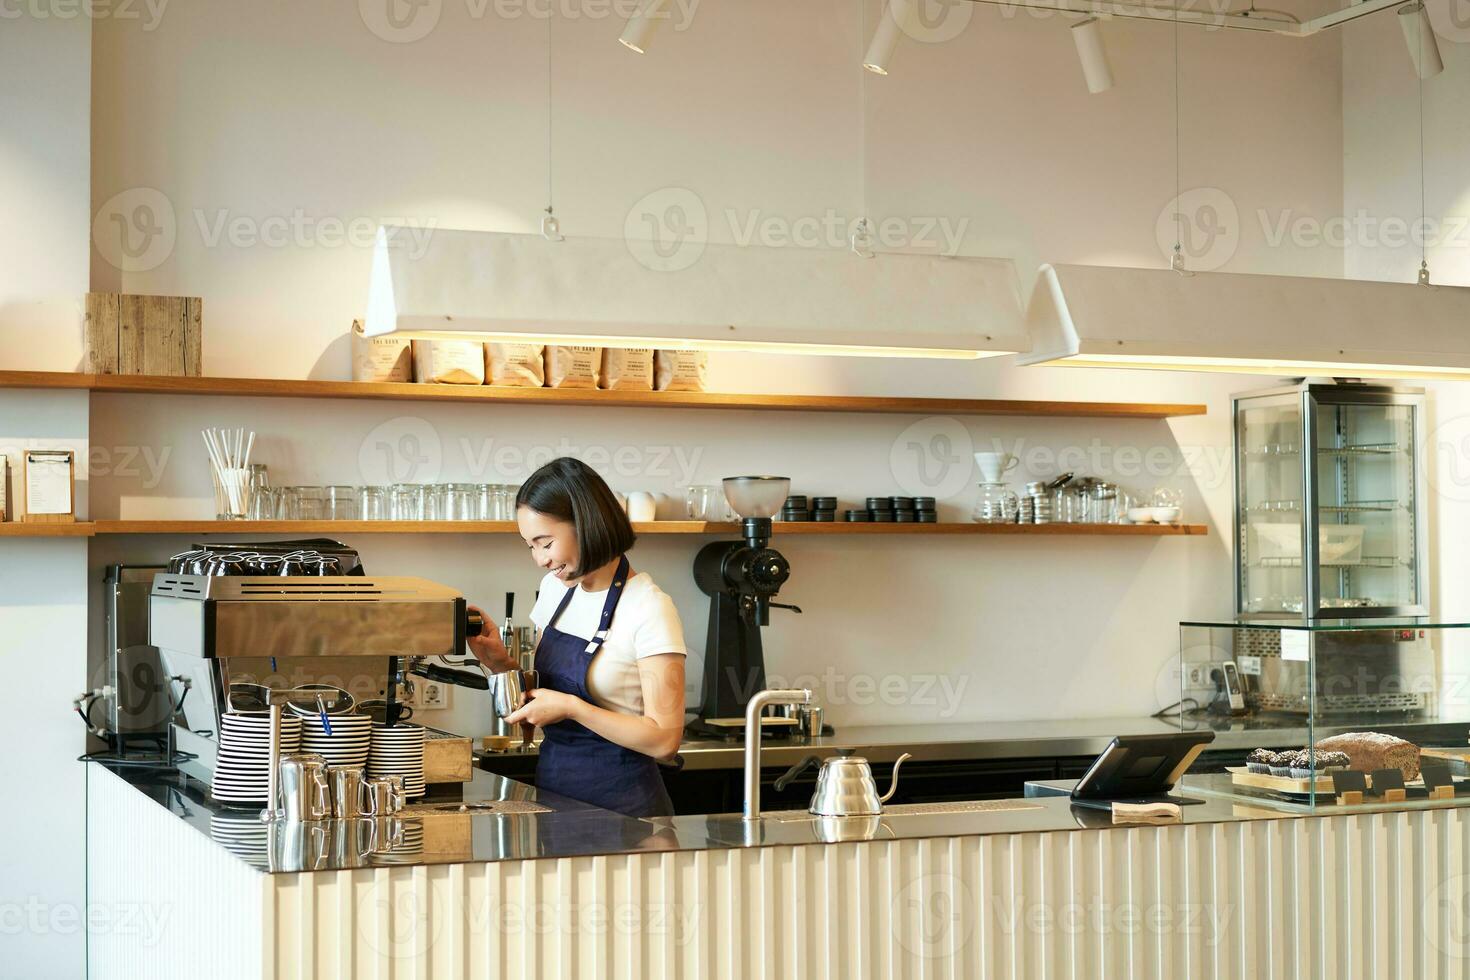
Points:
x=23 y=529
x=277 y=388
x=782 y=528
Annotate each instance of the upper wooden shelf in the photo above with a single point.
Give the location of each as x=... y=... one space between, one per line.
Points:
x=782 y=528
x=24 y=529
x=277 y=388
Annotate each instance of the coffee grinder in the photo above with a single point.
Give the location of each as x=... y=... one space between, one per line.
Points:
x=742 y=579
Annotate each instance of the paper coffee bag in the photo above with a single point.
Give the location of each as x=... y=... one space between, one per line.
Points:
x=385 y=358
x=449 y=362
x=515 y=365
x=627 y=368
x=681 y=370
x=573 y=367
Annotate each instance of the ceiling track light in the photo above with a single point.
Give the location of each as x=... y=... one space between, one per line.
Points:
x=1419 y=36
x=640 y=27
x=1087 y=36
x=896 y=20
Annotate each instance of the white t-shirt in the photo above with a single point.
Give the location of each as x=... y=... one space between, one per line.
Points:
x=645 y=624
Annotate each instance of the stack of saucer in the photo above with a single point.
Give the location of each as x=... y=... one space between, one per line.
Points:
x=398 y=750
x=348 y=743
x=242 y=765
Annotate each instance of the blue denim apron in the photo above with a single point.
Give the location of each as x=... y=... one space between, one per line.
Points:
x=575 y=761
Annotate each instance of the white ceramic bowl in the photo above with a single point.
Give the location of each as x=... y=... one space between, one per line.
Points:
x=1141 y=515
x=1165 y=515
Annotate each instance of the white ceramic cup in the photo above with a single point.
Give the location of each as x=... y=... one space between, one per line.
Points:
x=642 y=506
x=993 y=466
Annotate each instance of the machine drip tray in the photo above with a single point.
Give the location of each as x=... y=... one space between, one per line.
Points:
x=472 y=807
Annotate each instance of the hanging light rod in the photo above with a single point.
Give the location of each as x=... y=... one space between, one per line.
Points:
x=1204 y=18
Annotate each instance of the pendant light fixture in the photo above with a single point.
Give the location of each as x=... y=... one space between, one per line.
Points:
x=638 y=31
x=1419 y=36
x=1087 y=36
x=897 y=19
x=503 y=287
x=1178 y=320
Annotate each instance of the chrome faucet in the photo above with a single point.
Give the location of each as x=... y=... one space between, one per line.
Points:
x=753 y=741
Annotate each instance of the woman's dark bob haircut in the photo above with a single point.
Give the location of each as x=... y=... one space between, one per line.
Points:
x=570 y=490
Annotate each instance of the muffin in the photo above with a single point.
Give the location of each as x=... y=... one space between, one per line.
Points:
x=1282 y=765
x=1306 y=765
x=1260 y=760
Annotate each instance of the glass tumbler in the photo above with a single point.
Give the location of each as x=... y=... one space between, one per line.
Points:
x=305 y=503
x=484 y=502
x=504 y=502
x=1066 y=505
x=406 y=501
x=460 y=502
x=706 y=503
x=339 y=503
x=436 y=501
x=265 y=505
x=372 y=503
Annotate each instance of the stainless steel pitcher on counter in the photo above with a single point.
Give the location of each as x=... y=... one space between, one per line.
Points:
x=303 y=794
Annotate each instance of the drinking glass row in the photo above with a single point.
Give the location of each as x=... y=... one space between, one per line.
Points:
x=399 y=502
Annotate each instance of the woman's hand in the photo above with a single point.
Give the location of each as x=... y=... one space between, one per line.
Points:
x=487 y=647
x=546 y=707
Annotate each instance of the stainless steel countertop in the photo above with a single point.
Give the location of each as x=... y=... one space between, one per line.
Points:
x=579 y=830
x=1085 y=737
x=573 y=829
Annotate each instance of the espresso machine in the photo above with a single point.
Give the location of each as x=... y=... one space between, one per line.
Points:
x=211 y=628
x=742 y=579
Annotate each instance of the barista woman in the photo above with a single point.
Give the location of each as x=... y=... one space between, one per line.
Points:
x=610 y=661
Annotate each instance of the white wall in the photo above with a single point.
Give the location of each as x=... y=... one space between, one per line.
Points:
x=45 y=218
x=1381 y=182
x=226 y=113
x=43 y=645
x=44 y=226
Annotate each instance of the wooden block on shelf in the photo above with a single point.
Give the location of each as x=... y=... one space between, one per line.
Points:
x=144 y=335
x=1395 y=795
x=1350 y=798
x=1442 y=793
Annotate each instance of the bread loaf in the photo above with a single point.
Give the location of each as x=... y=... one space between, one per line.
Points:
x=1368 y=751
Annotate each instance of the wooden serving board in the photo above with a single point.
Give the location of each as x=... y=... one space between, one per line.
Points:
x=1241 y=776
x=1451 y=754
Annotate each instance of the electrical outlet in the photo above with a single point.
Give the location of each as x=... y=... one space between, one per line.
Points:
x=1197 y=676
x=432 y=695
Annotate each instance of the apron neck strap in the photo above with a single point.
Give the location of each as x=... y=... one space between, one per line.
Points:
x=609 y=606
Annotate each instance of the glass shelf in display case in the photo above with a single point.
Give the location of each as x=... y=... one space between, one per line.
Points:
x=1329 y=501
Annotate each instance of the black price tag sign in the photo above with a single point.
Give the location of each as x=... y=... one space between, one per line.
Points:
x=1387 y=779
x=1348 y=781
x=1436 y=776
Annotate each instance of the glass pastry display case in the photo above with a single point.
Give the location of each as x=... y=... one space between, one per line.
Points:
x=1329 y=501
x=1293 y=701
